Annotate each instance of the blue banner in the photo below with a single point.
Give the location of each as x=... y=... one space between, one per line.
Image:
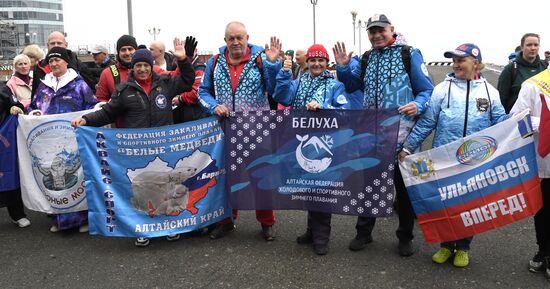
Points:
x=337 y=161
x=152 y=182
x=9 y=172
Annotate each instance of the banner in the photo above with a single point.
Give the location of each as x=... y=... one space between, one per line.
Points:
x=475 y=184
x=151 y=182
x=49 y=165
x=337 y=161
x=9 y=174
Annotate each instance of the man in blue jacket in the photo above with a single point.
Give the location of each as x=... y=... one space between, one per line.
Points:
x=394 y=77
x=238 y=79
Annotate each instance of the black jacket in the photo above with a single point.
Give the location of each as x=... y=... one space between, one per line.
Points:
x=136 y=108
x=79 y=67
x=7 y=100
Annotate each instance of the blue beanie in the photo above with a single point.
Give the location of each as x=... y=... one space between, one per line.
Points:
x=142 y=55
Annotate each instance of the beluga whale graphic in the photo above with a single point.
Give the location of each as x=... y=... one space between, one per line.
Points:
x=321 y=145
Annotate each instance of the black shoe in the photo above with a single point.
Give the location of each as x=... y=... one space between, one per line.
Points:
x=221 y=230
x=359 y=243
x=320 y=249
x=537 y=263
x=267 y=233
x=405 y=249
x=305 y=238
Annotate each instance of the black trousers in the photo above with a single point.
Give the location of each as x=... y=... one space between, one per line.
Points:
x=404 y=209
x=542 y=219
x=12 y=200
x=318 y=224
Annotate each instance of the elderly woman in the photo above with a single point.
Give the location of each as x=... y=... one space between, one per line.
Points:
x=315 y=89
x=61 y=91
x=464 y=103
x=35 y=54
x=20 y=83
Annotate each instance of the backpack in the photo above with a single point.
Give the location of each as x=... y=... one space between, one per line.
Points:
x=405 y=55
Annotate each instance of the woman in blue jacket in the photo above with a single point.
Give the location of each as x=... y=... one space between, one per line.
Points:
x=464 y=103
x=315 y=89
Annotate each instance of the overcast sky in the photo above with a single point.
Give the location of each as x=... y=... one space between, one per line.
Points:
x=432 y=26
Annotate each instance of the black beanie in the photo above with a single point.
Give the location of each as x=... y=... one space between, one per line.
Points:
x=126 y=40
x=58 y=52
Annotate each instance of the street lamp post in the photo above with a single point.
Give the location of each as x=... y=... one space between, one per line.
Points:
x=314 y=2
x=353 y=16
x=155 y=31
x=360 y=26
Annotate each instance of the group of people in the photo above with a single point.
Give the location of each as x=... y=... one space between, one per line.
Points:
x=243 y=77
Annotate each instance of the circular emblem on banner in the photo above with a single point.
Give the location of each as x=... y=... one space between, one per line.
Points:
x=313 y=154
x=476 y=150
x=56 y=163
x=161 y=101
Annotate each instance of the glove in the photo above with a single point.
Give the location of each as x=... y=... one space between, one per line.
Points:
x=190 y=46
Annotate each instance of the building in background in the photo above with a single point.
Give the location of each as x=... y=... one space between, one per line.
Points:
x=26 y=22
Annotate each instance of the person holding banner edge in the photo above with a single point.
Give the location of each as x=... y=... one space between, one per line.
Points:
x=144 y=82
x=315 y=89
x=464 y=103
x=535 y=95
x=390 y=75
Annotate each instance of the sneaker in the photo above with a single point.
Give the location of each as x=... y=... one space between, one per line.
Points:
x=267 y=233
x=461 y=259
x=405 y=249
x=172 y=238
x=221 y=230
x=306 y=238
x=54 y=229
x=320 y=249
x=358 y=244
x=142 y=242
x=537 y=263
x=442 y=255
x=22 y=223
x=84 y=228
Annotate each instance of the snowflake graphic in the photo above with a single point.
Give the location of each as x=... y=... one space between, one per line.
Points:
x=239 y=146
x=286 y=112
x=118 y=135
x=375 y=197
x=259 y=139
x=245 y=153
x=368 y=204
x=239 y=119
x=265 y=118
x=383 y=189
x=376 y=182
x=374 y=211
x=390 y=167
x=279 y=118
x=246 y=125
x=246 y=139
x=252 y=133
x=390 y=181
x=389 y=197
x=272 y=125
x=360 y=210
x=361 y=196
x=233 y=167
x=233 y=126
x=346 y=209
x=259 y=125
x=252 y=146
x=233 y=154
x=239 y=160
x=328 y=140
x=266 y=132
x=239 y=133
x=384 y=175
x=382 y=203
x=368 y=189
x=353 y=202
x=252 y=119
x=259 y=113
x=233 y=139
x=245 y=113
x=231 y=113
x=389 y=210
x=272 y=112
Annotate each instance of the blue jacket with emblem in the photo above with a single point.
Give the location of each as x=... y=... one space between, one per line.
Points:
x=456 y=109
x=324 y=89
x=136 y=108
x=387 y=84
x=251 y=89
